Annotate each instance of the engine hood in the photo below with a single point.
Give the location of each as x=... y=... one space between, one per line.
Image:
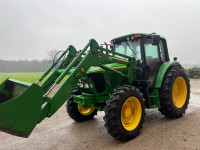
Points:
x=115 y=66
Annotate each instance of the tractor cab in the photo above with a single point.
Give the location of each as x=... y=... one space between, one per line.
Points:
x=150 y=52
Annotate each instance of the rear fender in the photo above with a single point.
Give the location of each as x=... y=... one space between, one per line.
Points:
x=162 y=71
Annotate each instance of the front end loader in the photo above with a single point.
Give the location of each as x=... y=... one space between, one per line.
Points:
x=134 y=74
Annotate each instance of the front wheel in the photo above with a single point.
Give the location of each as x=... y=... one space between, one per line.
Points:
x=124 y=113
x=79 y=112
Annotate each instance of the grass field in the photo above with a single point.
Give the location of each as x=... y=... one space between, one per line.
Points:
x=30 y=77
x=26 y=77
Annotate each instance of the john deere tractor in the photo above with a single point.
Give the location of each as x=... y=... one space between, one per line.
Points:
x=122 y=78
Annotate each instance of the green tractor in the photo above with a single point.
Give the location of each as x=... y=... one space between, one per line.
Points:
x=122 y=78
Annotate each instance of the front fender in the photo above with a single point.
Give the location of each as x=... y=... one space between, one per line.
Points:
x=162 y=71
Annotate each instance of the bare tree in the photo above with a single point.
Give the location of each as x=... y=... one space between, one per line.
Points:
x=52 y=55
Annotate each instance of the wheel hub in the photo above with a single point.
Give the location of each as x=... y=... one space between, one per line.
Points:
x=85 y=110
x=131 y=113
x=179 y=92
x=128 y=112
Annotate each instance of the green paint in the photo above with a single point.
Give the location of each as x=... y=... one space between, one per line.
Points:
x=155 y=96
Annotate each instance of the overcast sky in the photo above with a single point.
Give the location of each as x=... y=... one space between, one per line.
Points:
x=29 y=28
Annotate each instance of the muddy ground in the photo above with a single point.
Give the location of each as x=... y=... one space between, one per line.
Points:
x=61 y=132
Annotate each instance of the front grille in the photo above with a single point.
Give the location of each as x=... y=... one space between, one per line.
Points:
x=99 y=83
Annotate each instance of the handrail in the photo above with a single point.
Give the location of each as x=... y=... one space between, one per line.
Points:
x=63 y=74
x=52 y=66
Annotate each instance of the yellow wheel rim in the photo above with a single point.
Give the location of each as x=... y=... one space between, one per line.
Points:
x=131 y=113
x=85 y=110
x=179 y=92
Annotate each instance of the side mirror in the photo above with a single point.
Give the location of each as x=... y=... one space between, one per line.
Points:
x=155 y=39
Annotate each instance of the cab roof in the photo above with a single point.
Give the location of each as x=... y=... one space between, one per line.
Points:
x=133 y=34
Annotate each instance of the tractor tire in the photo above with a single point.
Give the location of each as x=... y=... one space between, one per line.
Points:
x=174 y=93
x=124 y=114
x=78 y=112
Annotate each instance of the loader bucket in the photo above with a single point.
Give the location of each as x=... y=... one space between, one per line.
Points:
x=20 y=107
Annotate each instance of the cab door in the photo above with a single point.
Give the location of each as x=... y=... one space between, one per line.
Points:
x=152 y=60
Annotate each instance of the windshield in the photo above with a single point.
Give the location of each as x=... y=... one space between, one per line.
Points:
x=129 y=48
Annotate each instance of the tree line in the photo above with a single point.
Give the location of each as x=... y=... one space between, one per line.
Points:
x=8 y=66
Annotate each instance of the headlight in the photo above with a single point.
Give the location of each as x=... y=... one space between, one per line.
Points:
x=81 y=85
x=86 y=86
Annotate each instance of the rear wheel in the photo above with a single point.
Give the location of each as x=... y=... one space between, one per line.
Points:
x=124 y=113
x=174 y=93
x=79 y=112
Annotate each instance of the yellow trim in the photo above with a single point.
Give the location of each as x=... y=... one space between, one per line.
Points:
x=119 y=67
x=85 y=110
x=98 y=70
x=118 y=59
x=131 y=113
x=179 y=92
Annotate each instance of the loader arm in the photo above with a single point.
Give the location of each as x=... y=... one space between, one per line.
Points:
x=26 y=105
x=94 y=57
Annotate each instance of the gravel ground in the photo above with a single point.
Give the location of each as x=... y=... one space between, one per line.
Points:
x=60 y=132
